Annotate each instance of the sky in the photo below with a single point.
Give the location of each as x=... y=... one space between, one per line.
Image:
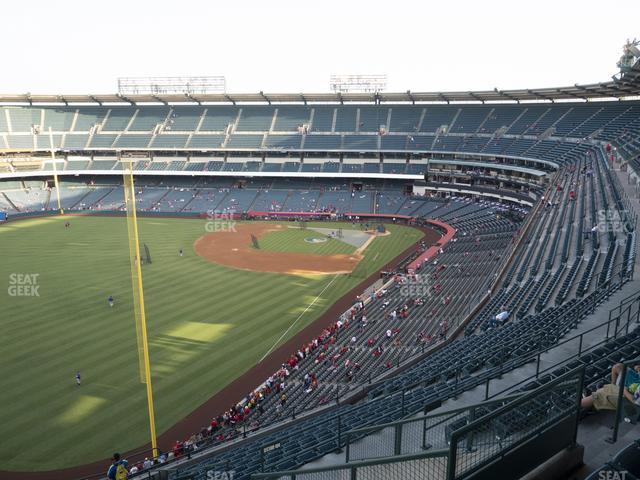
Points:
x=73 y=46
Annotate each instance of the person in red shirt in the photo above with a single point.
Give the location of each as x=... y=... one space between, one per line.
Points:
x=177 y=449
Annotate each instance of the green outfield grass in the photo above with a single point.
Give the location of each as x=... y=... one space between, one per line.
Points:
x=293 y=240
x=207 y=325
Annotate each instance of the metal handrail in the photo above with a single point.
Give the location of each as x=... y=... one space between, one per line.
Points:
x=454 y=411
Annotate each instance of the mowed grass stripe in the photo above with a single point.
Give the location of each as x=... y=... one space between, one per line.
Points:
x=70 y=326
x=110 y=369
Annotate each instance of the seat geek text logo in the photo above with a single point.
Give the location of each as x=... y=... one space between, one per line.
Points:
x=23 y=285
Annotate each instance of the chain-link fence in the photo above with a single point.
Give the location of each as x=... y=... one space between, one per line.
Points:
x=415 y=435
x=425 y=466
x=492 y=435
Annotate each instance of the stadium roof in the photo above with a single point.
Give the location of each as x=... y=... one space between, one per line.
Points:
x=627 y=87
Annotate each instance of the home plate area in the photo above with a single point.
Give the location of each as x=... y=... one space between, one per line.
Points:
x=357 y=238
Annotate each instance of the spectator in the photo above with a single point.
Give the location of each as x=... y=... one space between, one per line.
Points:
x=177 y=449
x=606 y=398
x=118 y=469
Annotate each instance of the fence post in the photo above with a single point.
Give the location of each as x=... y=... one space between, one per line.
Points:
x=425 y=445
x=580 y=345
x=339 y=432
x=616 y=425
x=455 y=386
x=397 y=447
x=578 y=402
x=538 y=364
x=347 y=448
x=472 y=417
x=262 y=460
x=402 y=403
x=486 y=389
x=453 y=451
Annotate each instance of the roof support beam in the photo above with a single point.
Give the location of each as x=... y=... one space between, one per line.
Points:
x=159 y=99
x=506 y=95
x=539 y=95
x=413 y=100
x=476 y=97
x=571 y=94
x=193 y=99
x=126 y=99
x=265 y=97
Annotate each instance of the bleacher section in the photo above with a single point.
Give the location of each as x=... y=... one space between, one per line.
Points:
x=604 y=121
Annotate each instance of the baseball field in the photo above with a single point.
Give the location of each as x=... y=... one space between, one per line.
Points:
x=212 y=315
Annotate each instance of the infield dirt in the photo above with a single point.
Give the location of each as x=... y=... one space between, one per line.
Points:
x=233 y=249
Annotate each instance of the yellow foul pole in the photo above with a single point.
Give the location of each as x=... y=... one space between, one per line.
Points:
x=138 y=296
x=55 y=171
